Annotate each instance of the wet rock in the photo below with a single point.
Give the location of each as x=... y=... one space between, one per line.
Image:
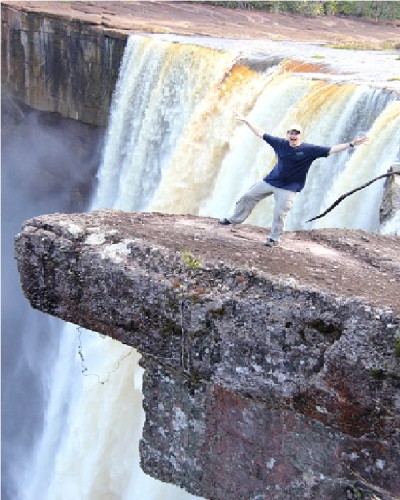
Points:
x=58 y=63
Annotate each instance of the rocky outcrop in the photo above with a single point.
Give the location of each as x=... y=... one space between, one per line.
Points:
x=59 y=63
x=390 y=205
x=269 y=372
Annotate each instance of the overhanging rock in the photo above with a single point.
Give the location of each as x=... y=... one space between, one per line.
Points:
x=270 y=372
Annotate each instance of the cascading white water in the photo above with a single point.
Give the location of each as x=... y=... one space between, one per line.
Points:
x=174 y=146
x=159 y=87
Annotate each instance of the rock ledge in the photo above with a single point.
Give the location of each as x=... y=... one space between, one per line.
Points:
x=270 y=373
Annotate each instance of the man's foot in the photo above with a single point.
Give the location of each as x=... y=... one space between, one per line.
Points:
x=224 y=222
x=271 y=243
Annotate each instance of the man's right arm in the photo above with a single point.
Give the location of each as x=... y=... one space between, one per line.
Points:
x=257 y=131
x=355 y=142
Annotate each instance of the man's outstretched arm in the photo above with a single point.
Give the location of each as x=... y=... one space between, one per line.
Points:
x=355 y=142
x=258 y=131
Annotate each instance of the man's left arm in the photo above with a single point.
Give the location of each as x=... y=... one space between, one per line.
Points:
x=355 y=142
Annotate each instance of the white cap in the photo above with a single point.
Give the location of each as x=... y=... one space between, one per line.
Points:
x=295 y=126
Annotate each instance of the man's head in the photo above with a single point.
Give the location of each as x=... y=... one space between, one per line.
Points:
x=294 y=134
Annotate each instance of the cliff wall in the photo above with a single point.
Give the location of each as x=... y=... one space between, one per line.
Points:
x=60 y=64
x=270 y=373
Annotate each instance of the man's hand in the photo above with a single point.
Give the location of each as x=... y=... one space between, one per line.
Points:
x=257 y=131
x=360 y=140
x=240 y=117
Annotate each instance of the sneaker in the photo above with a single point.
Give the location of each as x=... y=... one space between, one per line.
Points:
x=224 y=222
x=271 y=243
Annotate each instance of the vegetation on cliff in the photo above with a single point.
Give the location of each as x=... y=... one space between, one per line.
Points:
x=378 y=11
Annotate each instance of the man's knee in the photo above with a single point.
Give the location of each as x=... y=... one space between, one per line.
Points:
x=284 y=212
x=287 y=206
x=247 y=199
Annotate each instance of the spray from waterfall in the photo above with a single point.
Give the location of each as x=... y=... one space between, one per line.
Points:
x=173 y=146
x=37 y=151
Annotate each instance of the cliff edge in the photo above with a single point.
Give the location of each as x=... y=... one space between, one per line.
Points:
x=64 y=57
x=269 y=372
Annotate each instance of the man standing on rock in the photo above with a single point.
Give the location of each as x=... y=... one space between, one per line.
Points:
x=287 y=178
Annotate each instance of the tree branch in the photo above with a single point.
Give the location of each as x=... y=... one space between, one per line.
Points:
x=339 y=200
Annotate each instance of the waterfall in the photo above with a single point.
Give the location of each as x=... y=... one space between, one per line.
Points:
x=173 y=146
x=159 y=88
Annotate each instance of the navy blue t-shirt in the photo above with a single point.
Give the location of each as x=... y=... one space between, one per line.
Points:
x=293 y=162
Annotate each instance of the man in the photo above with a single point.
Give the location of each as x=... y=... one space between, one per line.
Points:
x=287 y=178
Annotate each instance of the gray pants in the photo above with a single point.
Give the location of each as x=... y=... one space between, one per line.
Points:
x=283 y=203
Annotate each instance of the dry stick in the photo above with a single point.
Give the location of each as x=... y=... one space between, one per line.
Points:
x=339 y=200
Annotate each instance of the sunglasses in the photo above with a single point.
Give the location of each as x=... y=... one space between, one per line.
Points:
x=295 y=131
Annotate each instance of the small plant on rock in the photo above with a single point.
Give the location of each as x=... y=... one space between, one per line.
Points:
x=190 y=260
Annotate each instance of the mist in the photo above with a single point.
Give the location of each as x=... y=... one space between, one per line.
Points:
x=49 y=165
